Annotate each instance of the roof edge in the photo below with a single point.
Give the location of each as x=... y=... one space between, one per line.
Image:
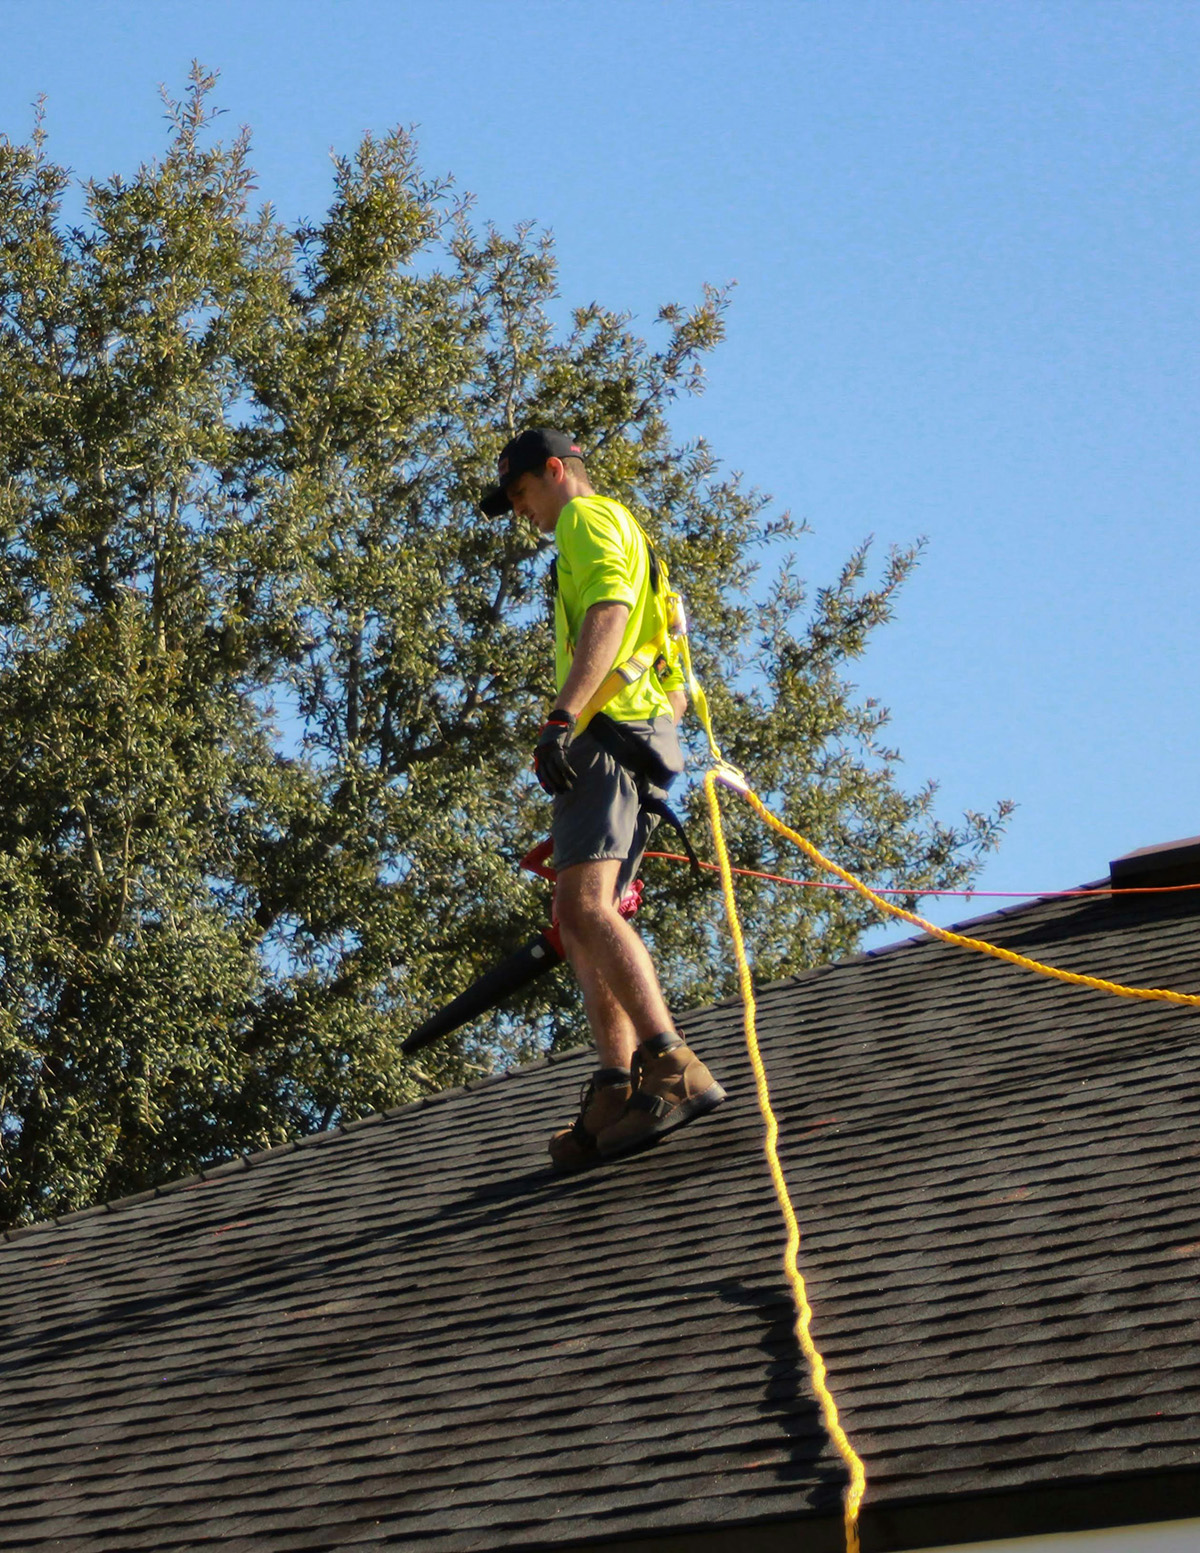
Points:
x=904 y=1526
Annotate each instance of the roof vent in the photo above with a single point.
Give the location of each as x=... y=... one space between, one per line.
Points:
x=1171 y=862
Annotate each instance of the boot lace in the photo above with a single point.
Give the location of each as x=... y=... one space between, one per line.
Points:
x=585 y=1099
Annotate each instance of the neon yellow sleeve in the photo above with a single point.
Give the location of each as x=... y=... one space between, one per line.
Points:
x=596 y=547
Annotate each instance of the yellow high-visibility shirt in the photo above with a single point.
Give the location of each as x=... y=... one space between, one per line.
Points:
x=603 y=558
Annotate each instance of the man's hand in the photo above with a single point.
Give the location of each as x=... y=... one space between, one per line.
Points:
x=550 y=762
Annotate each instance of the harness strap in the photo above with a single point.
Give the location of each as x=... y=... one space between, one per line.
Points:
x=620 y=678
x=663 y=809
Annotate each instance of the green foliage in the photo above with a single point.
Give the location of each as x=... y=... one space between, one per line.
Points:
x=268 y=680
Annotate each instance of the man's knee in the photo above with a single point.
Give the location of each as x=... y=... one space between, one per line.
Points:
x=580 y=916
x=586 y=899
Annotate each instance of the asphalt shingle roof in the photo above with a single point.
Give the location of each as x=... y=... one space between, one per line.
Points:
x=408 y=1334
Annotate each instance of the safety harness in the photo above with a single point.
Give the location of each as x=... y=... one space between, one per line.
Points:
x=658 y=653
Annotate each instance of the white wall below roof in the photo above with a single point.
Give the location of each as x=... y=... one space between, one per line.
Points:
x=1159 y=1537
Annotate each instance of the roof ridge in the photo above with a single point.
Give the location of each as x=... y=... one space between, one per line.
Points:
x=865 y=955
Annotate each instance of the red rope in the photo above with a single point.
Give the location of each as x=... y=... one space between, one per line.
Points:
x=830 y=884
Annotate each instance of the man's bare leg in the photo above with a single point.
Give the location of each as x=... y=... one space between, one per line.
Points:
x=620 y=987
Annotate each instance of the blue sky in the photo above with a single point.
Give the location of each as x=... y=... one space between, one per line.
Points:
x=964 y=241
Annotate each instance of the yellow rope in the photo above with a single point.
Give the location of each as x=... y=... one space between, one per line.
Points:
x=733 y=778
x=1097 y=983
x=858 y=1476
x=723 y=772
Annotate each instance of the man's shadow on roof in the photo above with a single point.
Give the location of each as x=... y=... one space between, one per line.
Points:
x=291 y=1270
x=188 y=1296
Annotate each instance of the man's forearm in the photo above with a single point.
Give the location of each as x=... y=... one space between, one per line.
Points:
x=596 y=652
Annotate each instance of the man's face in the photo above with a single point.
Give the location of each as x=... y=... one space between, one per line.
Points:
x=539 y=498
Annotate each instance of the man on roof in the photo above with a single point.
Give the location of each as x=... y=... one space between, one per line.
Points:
x=607 y=607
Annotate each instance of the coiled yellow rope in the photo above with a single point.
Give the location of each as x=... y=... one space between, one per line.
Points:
x=858 y=1476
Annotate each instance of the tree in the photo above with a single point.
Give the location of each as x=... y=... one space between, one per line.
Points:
x=268 y=679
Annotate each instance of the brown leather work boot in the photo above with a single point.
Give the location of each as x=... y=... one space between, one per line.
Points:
x=600 y=1105
x=669 y=1088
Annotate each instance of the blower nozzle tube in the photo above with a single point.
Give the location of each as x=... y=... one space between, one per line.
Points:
x=529 y=962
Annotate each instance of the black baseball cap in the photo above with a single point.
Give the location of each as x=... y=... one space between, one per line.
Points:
x=528 y=451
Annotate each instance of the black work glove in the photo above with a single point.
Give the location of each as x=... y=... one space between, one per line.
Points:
x=550 y=762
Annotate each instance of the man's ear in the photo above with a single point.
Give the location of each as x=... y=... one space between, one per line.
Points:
x=555 y=468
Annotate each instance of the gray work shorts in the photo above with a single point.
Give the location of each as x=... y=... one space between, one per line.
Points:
x=602 y=816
